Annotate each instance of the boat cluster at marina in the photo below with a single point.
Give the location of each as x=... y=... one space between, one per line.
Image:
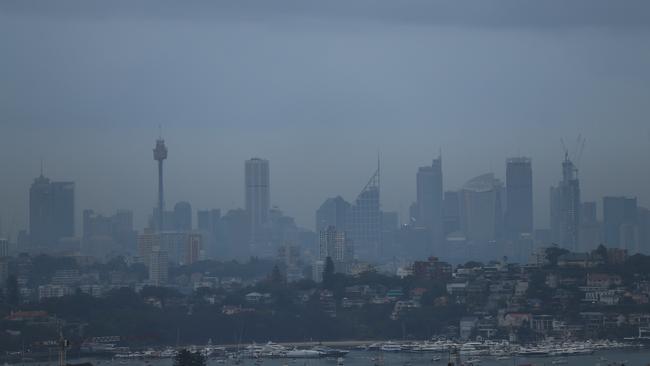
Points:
x=468 y=350
x=501 y=349
x=257 y=351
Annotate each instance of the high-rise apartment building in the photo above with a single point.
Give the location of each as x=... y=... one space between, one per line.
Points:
x=158 y=267
x=146 y=242
x=193 y=248
x=334 y=244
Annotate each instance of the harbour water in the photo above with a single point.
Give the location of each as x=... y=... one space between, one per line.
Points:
x=640 y=357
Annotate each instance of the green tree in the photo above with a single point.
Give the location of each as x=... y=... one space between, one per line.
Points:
x=276 y=276
x=553 y=253
x=187 y=358
x=601 y=251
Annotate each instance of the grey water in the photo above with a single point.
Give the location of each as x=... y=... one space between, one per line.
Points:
x=634 y=357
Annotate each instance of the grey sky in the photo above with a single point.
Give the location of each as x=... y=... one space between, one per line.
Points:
x=318 y=88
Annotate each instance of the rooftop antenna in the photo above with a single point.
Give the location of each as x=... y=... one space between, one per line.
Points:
x=378 y=165
x=41 y=166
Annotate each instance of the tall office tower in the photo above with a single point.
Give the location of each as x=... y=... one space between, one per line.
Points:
x=158 y=267
x=208 y=225
x=160 y=154
x=51 y=212
x=333 y=212
x=481 y=210
x=429 y=199
x=565 y=207
x=146 y=242
x=590 y=229
x=234 y=235
x=4 y=248
x=334 y=244
x=643 y=216
x=389 y=234
x=365 y=221
x=519 y=197
x=451 y=212
x=258 y=197
x=182 y=217
x=588 y=212
x=193 y=248
x=620 y=223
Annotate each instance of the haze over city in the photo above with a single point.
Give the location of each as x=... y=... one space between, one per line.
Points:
x=319 y=90
x=324 y=182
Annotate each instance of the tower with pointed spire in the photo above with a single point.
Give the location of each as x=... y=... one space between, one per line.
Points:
x=364 y=224
x=160 y=154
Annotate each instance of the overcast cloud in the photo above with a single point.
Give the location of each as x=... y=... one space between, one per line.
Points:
x=318 y=88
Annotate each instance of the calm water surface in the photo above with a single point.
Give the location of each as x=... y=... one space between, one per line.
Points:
x=365 y=358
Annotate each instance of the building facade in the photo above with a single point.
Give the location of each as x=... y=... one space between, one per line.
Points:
x=51 y=212
x=258 y=197
x=519 y=197
x=430 y=200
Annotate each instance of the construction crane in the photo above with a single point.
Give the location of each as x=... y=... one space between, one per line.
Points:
x=577 y=152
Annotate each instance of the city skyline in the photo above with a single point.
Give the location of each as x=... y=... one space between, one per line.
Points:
x=318 y=90
x=404 y=216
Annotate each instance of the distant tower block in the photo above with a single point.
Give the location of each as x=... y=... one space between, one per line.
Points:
x=160 y=154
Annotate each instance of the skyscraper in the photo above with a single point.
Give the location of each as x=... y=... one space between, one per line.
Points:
x=333 y=212
x=146 y=242
x=51 y=212
x=158 y=267
x=208 y=222
x=429 y=199
x=519 y=197
x=182 y=216
x=258 y=196
x=620 y=222
x=565 y=207
x=481 y=210
x=193 y=248
x=160 y=154
x=451 y=212
x=590 y=229
x=365 y=220
x=334 y=244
